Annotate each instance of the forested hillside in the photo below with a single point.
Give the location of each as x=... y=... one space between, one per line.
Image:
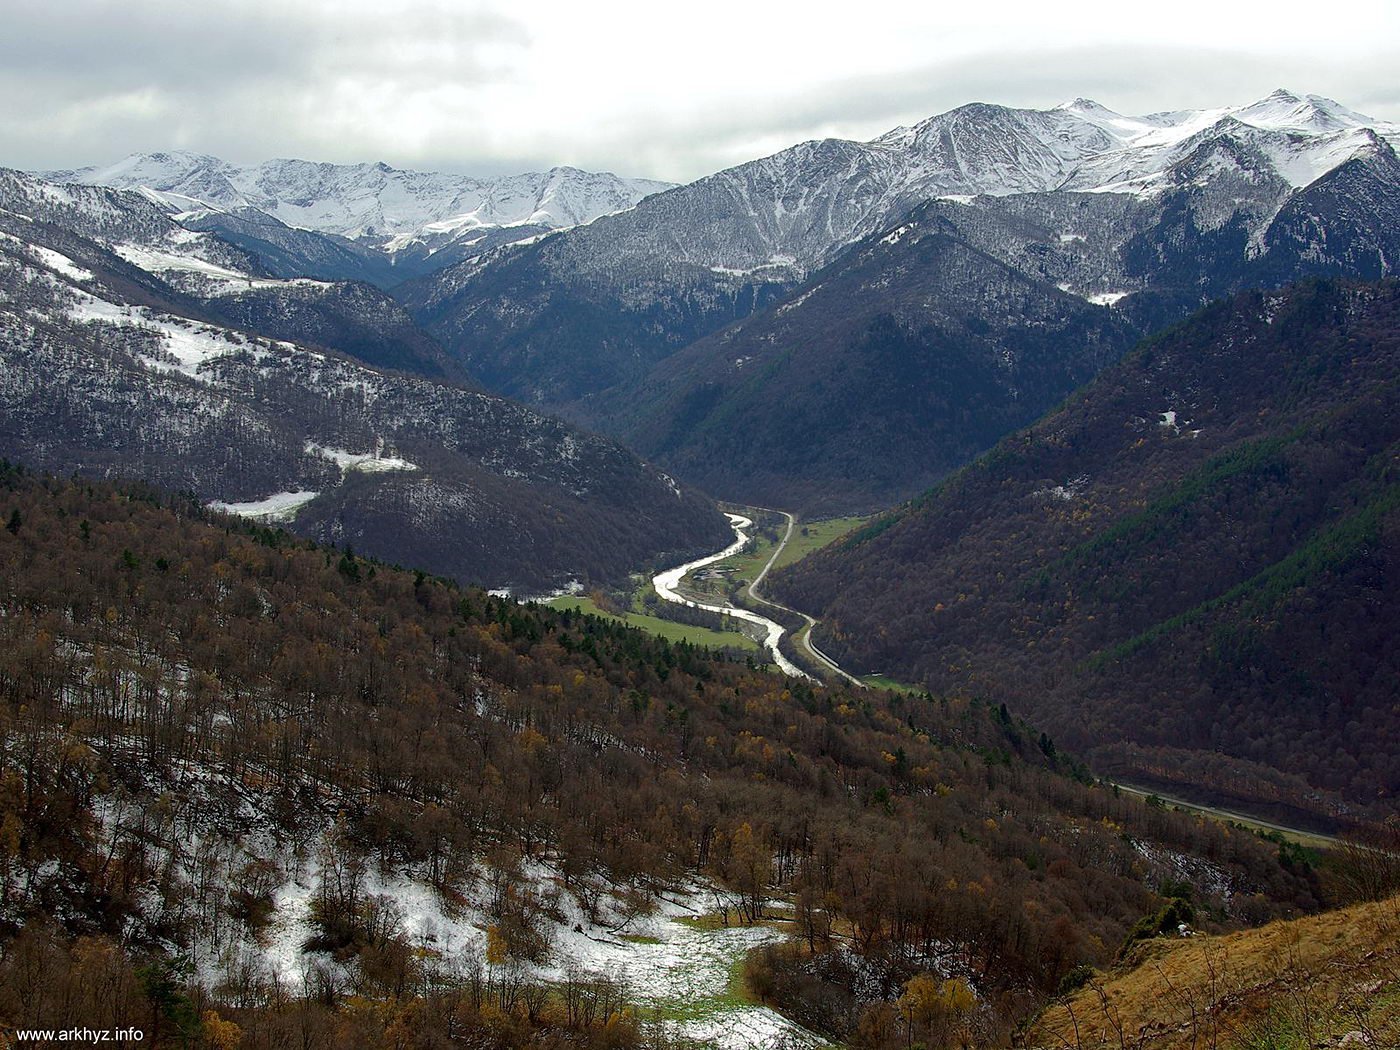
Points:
x=1188 y=571
x=131 y=347
x=196 y=712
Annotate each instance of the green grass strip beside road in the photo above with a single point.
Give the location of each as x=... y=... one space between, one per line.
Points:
x=673 y=632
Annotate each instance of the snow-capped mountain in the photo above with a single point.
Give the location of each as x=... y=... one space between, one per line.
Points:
x=663 y=323
x=391 y=207
x=130 y=346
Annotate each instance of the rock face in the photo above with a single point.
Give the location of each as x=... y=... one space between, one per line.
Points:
x=838 y=324
x=132 y=346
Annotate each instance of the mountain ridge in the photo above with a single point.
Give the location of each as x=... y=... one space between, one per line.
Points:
x=1182 y=572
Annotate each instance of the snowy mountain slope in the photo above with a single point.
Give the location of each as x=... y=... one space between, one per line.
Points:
x=390 y=207
x=117 y=361
x=1297 y=138
x=898 y=361
x=598 y=306
x=128 y=239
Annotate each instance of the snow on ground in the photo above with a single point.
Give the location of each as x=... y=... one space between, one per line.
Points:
x=369 y=462
x=280 y=506
x=56 y=261
x=893 y=238
x=161 y=262
x=683 y=970
x=1097 y=298
x=189 y=343
x=59 y=263
x=1106 y=298
x=224 y=281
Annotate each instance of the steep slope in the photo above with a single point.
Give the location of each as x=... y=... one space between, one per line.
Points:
x=922 y=345
x=1188 y=571
x=200 y=275
x=807 y=329
x=895 y=365
x=359 y=799
x=1326 y=980
x=376 y=222
x=575 y=314
x=115 y=368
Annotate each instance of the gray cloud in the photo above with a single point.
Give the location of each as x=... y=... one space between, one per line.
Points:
x=88 y=81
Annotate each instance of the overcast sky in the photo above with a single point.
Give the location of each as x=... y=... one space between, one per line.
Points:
x=666 y=90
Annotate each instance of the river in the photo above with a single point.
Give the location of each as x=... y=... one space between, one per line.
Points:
x=667 y=582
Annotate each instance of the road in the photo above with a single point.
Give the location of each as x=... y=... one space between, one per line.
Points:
x=666 y=584
x=1306 y=838
x=803 y=637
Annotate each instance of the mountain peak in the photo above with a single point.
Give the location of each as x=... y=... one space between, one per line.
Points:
x=1082 y=104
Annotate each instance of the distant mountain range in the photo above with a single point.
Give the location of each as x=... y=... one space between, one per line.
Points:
x=134 y=347
x=399 y=223
x=831 y=328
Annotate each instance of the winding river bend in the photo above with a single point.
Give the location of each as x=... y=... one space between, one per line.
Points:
x=667 y=582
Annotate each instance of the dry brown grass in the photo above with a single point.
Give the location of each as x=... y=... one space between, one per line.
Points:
x=1327 y=980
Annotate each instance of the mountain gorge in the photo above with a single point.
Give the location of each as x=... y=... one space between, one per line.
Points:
x=277 y=769
x=368 y=805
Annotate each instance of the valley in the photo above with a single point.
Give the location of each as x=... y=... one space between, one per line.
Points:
x=717 y=583
x=1064 y=674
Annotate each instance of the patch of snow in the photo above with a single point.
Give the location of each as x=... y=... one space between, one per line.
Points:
x=368 y=462
x=893 y=238
x=161 y=262
x=1067 y=492
x=280 y=506
x=1106 y=298
x=191 y=344
x=59 y=263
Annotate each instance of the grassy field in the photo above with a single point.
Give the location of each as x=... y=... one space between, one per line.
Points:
x=879 y=681
x=811 y=536
x=675 y=632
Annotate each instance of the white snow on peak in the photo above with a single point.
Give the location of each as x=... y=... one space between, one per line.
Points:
x=1294 y=138
x=369 y=200
x=809 y=201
